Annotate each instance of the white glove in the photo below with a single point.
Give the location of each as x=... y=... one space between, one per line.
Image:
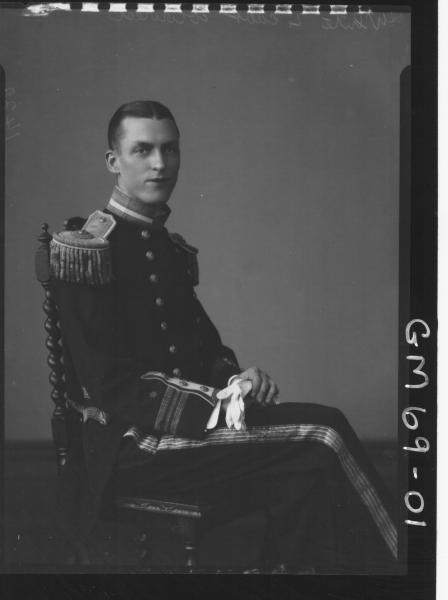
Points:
x=233 y=397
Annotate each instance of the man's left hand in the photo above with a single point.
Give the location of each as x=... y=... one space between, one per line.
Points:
x=264 y=389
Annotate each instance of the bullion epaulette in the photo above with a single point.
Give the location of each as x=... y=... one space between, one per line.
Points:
x=84 y=256
x=192 y=256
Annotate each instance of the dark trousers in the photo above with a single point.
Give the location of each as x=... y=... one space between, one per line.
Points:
x=301 y=465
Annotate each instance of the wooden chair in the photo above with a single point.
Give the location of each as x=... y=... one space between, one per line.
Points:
x=66 y=423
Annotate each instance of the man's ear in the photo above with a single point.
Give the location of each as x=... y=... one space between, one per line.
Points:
x=112 y=162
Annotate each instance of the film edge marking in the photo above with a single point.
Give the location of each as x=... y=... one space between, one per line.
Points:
x=41 y=9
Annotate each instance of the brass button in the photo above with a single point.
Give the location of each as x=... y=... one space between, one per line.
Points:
x=153 y=395
x=177 y=372
x=159 y=301
x=145 y=234
x=173 y=349
x=198 y=320
x=154 y=278
x=163 y=326
x=150 y=255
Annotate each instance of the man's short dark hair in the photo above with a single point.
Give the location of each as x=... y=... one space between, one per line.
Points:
x=146 y=109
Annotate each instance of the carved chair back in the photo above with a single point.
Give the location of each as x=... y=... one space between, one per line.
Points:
x=65 y=422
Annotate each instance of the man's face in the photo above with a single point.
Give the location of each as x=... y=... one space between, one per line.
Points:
x=147 y=159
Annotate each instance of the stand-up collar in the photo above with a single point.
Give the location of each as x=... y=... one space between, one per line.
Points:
x=151 y=216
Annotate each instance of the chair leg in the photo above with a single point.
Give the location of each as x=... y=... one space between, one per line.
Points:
x=187 y=528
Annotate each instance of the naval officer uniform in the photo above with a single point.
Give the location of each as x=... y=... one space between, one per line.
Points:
x=146 y=366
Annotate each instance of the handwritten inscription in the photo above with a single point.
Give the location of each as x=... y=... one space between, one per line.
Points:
x=411 y=334
x=337 y=18
x=12 y=126
x=420 y=503
x=351 y=21
x=177 y=18
x=418 y=371
x=413 y=499
x=360 y=21
x=257 y=18
x=408 y=414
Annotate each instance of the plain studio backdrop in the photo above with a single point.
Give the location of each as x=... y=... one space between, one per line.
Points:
x=289 y=186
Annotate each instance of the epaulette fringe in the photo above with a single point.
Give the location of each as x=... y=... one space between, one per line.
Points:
x=78 y=257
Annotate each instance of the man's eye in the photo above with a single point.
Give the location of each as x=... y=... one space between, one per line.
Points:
x=172 y=149
x=142 y=150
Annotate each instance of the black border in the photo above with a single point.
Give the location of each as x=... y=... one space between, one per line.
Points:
x=418 y=273
x=2 y=275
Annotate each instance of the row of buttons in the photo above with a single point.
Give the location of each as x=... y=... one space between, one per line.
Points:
x=154 y=278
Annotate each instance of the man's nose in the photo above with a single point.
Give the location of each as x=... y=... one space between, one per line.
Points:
x=157 y=160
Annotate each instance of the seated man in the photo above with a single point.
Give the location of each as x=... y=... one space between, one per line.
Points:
x=168 y=410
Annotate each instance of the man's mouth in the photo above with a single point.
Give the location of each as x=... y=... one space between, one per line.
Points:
x=158 y=180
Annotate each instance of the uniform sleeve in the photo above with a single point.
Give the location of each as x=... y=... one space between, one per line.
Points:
x=221 y=360
x=114 y=383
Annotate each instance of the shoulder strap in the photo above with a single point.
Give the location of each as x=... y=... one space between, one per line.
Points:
x=180 y=241
x=191 y=255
